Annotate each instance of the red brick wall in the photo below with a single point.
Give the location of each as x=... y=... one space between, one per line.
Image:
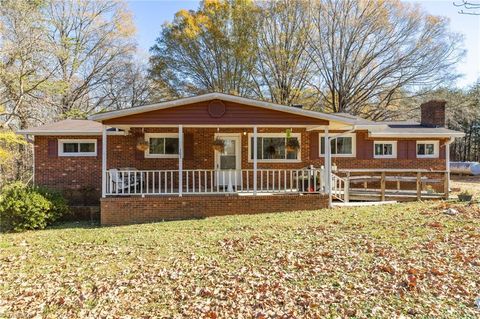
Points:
x=433 y=113
x=73 y=174
x=79 y=178
x=129 y=210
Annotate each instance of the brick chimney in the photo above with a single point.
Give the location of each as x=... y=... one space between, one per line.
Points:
x=433 y=113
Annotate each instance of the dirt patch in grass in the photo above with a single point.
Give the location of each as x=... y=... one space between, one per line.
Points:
x=385 y=261
x=465 y=183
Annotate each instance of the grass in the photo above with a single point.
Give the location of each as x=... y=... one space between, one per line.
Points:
x=466 y=183
x=386 y=261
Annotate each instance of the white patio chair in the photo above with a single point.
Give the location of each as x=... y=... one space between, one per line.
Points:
x=121 y=180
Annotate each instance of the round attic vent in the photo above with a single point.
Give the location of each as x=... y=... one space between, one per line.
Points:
x=216 y=108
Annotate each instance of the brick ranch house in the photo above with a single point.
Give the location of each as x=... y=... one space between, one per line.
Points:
x=218 y=154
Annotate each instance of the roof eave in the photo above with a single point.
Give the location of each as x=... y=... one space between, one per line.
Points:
x=418 y=135
x=57 y=133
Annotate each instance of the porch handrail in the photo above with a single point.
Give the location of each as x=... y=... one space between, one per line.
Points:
x=340 y=188
x=211 y=181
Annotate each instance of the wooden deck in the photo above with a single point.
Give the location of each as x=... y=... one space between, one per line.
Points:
x=392 y=184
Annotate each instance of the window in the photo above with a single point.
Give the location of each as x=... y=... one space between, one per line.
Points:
x=275 y=147
x=343 y=146
x=427 y=149
x=77 y=147
x=383 y=149
x=162 y=145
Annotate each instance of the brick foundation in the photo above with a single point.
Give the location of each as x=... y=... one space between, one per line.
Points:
x=130 y=210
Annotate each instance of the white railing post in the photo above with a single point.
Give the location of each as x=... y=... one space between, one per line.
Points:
x=104 y=161
x=328 y=167
x=255 y=155
x=347 y=188
x=447 y=175
x=180 y=160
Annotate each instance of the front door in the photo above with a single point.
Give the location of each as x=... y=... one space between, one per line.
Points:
x=228 y=162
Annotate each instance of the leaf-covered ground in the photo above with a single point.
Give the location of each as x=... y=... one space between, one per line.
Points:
x=404 y=260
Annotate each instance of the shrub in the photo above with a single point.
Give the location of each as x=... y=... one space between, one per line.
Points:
x=59 y=207
x=23 y=207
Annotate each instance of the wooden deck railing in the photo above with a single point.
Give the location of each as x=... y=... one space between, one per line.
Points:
x=368 y=184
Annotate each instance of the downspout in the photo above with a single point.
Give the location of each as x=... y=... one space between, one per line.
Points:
x=32 y=141
x=328 y=167
x=447 y=160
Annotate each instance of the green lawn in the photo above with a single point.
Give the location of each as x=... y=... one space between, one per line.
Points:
x=387 y=261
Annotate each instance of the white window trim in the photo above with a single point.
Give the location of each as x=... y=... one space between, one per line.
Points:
x=436 y=147
x=394 y=149
x=321 y=137
x=78 y=154
x=282 y=134
x=159 y=135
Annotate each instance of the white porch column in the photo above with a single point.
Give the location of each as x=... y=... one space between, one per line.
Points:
x=447 y=160
x=104 y=161
x=255 y=155
x=180 y=160
x=328 y=168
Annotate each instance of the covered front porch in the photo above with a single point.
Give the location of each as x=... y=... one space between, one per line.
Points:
x=180 y=161
x=221 y=181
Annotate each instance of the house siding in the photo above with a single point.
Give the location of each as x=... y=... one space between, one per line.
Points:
x=80 y=177
x=199 y=113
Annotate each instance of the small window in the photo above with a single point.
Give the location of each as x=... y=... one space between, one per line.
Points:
x=427 y=149
x=385 y=149
x=77 y=147
x=275 y=147
x=340 y=146
x=162 y=145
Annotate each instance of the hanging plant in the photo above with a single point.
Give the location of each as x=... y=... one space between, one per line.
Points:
x=169 y=149
x=288 y=133
x=292 y=144
x=218 y=145
x=142 y=145
x=271 y=150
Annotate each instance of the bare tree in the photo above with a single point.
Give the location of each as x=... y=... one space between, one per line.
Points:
x=93 y=40
x=283 y=68
x=130 y=88
x=24 y=67
x=369 y=55
x=468 y=7
x=63 y=58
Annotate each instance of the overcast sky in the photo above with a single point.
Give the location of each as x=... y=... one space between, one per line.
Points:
x=151 y=14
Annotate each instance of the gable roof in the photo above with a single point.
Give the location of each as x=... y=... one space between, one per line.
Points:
x=224 y=97
x=392 y=129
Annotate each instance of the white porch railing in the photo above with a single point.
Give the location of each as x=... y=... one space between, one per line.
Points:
x=340 y=188
x=202 y=181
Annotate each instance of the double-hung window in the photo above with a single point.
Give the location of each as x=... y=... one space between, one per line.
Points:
x=427 y=149
x=162 y=145
x=275 y=147
x=343 y=146
x=77 y=147
x=384 y=149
